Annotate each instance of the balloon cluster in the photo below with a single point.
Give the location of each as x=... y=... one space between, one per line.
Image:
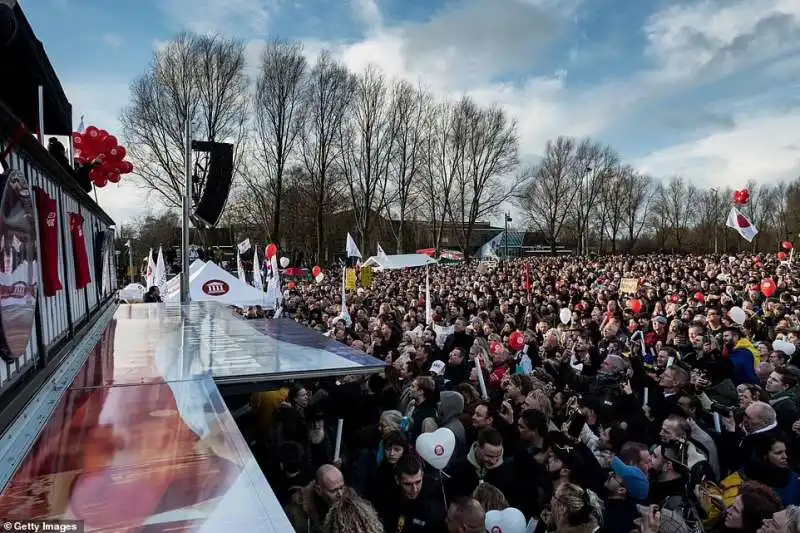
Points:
x=98 y=148
x=741 y=197
x=271 y=251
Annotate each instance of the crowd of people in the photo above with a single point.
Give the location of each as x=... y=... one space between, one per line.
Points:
x=658 y=410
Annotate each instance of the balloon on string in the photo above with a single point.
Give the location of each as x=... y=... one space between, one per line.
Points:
x=114 y=176
x=675 y=298
x=271 y=251
x=768 y=287
x=316 y=271
x=784 y=346
x=436 y=448
x=787 y=245
x=636 y=306
x=291 y=285
x=126 y=167
x=285 y=262
x=700 y=297
x=319 y=277
x=565 y=315
x=102 y=181
x=781 y=256
x=737 y=314
x=118 y=153
x=509 y=520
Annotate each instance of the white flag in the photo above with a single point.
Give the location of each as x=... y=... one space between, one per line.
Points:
x=257 y=281
x=742 y=224
x=428 y=308
x=240 y=268
x=128 y=243
x=345 y=314
x=150 y=274
x=244 y=246
x=380 y=253
x=352 y=249
x=160 y=278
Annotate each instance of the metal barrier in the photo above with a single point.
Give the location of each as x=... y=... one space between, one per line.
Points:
x=62 y=317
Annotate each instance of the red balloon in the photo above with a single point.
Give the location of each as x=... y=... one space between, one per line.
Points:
x=291 y=285
x=768 y=287
x=95 y=174
x=700 y=297
x=316 y=271
x=91 y=132
x=516 y=341
x=126 y=167
x=781 y=256
x=271 y=251
x=787 y=245
x=110 y=142
x=114 y=176
x=675 y=298
x=636 y=306
x=77 y=140
x=102 y=181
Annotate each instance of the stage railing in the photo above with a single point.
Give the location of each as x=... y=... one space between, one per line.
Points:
x=60 y=319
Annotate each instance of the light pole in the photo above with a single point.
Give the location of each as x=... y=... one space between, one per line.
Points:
x=507 y=220
x=585 y=229
x=715 y=192
x=187 y=190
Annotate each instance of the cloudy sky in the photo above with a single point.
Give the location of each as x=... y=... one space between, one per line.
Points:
x=709 y=89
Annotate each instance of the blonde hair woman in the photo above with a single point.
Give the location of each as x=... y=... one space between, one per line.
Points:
x=352 y=514
x=574 y=509
x=490 y=497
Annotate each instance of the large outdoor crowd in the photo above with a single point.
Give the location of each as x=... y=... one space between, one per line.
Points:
x=660 y=410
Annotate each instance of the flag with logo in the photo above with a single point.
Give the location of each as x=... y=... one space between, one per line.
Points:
x=160 y=278
x=258 y=283
x=150 y=274
x=739 y=222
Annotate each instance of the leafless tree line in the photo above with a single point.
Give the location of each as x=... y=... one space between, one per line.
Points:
x=383 y=149
x=582 y=195
x=315 y=140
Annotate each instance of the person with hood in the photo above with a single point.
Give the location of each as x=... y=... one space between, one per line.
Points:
x=483 y=463
x=743 y=355
x=782 y=389
x=451 y=405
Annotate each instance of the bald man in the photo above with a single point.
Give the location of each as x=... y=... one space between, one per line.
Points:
x=761 y=425
x=310 y=504
x=466 y=515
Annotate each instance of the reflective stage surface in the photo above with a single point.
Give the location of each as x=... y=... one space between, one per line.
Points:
x=142 y=441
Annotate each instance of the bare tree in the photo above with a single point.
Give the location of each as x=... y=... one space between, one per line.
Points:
x=485 y=181
x=680 y=207
x=551 y=190
x=278 y=104
x=444 y=155
x=591 y=166
x=367 y=138
x=325 y=104
x=195 y=78
x=411 y=109
x=612 y=203
x=639 y=194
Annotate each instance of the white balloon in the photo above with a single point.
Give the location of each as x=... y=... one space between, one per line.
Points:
x=509 y=520
x=783 y=346
x=436 y=448
x=285 y=262
x=565 y=315
x=320 y=277
x=738 y=315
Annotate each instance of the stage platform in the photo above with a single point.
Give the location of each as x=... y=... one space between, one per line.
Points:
x=132 y=434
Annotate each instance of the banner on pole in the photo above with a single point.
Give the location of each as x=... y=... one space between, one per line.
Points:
x=366 y=277
x=350 y=279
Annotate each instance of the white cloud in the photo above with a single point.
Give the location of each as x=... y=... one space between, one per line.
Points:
x=761 y=147
x=221 y=16
x=114 y=41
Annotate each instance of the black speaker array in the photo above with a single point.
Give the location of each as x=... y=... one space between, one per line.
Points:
x=218 y=181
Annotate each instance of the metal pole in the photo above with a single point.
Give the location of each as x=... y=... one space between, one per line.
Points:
x=41 y=114
x=131 y=271
x=715 y=239
x=187 y=190
x=506 y=236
